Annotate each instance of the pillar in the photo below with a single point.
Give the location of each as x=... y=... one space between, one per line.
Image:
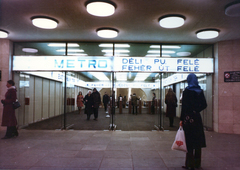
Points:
x=5 y=69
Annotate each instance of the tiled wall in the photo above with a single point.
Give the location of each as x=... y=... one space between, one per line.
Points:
x=227 y=113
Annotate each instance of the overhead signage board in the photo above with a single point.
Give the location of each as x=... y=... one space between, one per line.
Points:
x=121 y=85
x=61 y=63
x=122 y=64
x=147 y=64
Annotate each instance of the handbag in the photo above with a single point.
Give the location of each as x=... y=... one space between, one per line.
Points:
x=16 y=104
x=180 y=142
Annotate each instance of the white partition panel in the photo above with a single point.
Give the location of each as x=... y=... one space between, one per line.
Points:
x=45 y=94
x=51 y=98
x=31 y=100
x=58 y=99
x=38 y=99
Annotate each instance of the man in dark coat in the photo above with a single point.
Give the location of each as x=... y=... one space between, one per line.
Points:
x=96 y=102
x=134 y=100
x=106 y=99
x=193 y=102
x=88 y=99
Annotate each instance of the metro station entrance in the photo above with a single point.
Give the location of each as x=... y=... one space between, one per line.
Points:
x=48 y=86
x=54 y=106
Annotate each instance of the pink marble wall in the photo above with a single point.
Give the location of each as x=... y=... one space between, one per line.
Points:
x=5 y=69
x=228 y=116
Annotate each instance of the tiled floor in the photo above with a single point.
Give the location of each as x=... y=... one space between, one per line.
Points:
x=111 y=150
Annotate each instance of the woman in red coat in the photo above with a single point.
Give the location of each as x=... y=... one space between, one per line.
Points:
x=79 y=101
x=8 y=117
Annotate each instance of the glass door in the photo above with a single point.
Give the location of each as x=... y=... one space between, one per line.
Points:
x=79 y=115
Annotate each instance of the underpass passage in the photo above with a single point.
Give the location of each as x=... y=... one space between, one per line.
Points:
x=124 y=121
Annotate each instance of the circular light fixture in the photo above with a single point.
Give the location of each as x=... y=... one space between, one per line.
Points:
x=183 y=54
x=44 y=22
x=107 y=32
x=100 y=8
x=207 y=34
x=171 y=21
x=3 y=34
x=233 y=9
x=30 y=50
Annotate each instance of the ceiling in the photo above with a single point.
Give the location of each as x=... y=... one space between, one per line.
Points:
x=136 y=21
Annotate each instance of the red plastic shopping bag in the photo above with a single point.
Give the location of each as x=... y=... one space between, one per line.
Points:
x=180 y=142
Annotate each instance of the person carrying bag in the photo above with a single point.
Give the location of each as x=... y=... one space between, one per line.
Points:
x=193 y=102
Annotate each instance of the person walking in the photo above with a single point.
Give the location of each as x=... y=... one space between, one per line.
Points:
x=79 y=102
x=118 y=103
x=96 y=103
x=124 y=101
x=88 y=99
x=106 y=100
x=134 y=100
x=171 y=102
x=153 y=104
x=193 y=102
x=8 y=116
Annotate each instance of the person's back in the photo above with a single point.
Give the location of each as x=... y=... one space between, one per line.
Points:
x=134 y=100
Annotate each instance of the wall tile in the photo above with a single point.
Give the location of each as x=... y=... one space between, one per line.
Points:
x=236 y=88
x=236 y=117
x=225 y=103
x=236 y=102
x=225 y=116
x=236 y=128
x=225 y=128
x=224 y=90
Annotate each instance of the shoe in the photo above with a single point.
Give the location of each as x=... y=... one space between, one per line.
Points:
x=95 y=119
x=188 y=168
x=15 y=134
x=6 y=137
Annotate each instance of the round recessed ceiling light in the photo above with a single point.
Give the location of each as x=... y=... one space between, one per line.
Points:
x=100 y=8
x=44 y=22
x=183 y=54
x=171 y=21
x=207 y=34
x=107 y=32
x=30 y=50
x=3 y=34
x=233 y=9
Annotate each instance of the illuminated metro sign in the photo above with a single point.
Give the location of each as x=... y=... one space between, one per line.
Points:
x=123 y=64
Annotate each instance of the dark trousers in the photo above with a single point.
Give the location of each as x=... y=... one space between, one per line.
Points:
x=95 y=112
x=193 y=158
x=11 y=131
x=152 y=109
x=171 y=121
x=105 y=106
x=135 y=108
x=88 y=116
